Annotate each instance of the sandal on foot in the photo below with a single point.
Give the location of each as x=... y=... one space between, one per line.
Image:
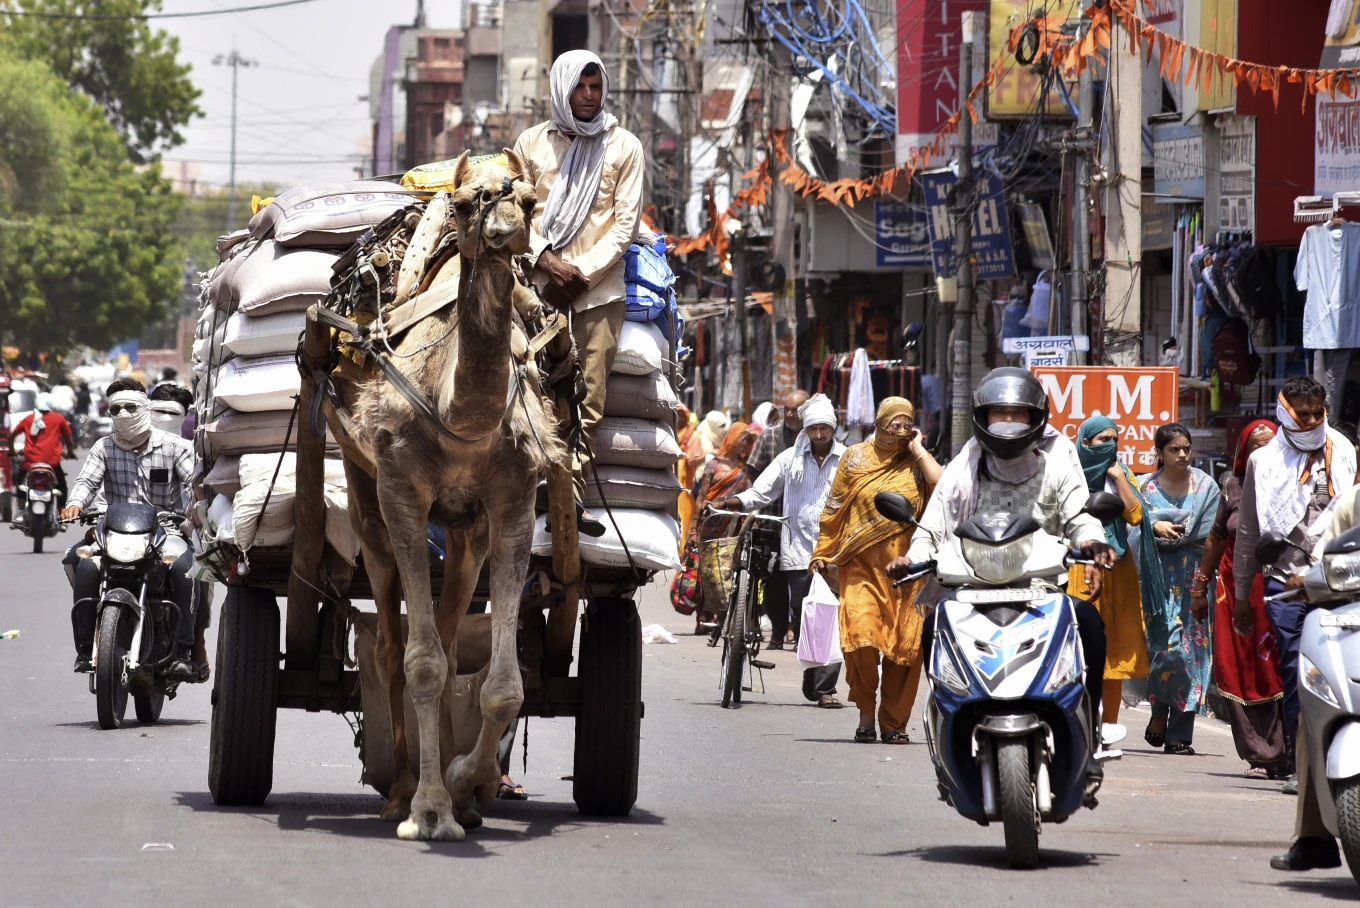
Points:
x=508 y=792
x=1256 y=772
x=865 y=735
x=1179 y=748
x=1156 y=739
x=829 y=702
x=895 y=737
x=204 y=671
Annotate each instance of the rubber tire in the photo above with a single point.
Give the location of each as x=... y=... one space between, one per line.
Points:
x=38 y=528
x=149 y=706
x=245 y=699
x=1016 y=790
x=609 y=720
x=734 y=656
x=110 y=690
x=1348 y=823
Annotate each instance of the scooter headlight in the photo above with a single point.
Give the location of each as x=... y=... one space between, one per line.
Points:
x=1342 y=571
x=126 y=547
x=949 y=674
x=998 y=563
x=1311 y=677
x=1065 y=669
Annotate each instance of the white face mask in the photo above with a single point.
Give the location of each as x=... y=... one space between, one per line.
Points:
x=1008 y=429
x=167 y=416
x=132 y=428
x=1299 y=440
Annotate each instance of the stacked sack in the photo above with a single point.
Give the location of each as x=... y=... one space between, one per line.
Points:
x=254 y=312
x=634 y=485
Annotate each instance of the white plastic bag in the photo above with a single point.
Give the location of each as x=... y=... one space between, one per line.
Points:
x=655 y=633
x=819 y=638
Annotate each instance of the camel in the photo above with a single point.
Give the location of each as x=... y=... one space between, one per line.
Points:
x=476 y=477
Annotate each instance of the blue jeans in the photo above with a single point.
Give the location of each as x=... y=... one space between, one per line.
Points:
x=1286 y=622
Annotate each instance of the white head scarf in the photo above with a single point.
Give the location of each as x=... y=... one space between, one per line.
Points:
x=762 y=415
x=131 y=430
x=167 y=415
x=578 y=181
x=818 y=410
x=1285 y=470
x=44 y=405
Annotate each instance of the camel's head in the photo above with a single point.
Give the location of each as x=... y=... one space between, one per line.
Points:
x=493 y=204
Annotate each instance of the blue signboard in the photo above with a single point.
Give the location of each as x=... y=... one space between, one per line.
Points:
x=992 y=252
x=901 y=237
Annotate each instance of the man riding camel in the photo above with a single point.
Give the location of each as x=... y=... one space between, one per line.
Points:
x=588 y=173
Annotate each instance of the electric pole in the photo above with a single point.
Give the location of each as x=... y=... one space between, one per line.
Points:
x=961 y=422
x=236 y=62
x=1078 y=291
x=1122 y=317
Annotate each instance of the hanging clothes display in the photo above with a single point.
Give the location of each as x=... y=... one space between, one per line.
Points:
x=1328 y=271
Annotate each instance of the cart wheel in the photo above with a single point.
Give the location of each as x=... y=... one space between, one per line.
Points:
x=245 y=698
x=609 y=724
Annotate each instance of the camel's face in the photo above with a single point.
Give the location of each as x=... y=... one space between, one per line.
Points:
x=493 y=205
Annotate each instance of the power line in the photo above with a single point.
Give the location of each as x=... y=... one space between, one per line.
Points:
x=31 y=14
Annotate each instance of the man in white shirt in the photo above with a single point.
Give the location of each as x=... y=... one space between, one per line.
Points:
x=801 y=474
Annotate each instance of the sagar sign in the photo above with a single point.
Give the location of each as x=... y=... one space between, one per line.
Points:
x=1138 y=400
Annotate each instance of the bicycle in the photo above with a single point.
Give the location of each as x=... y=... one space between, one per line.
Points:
x=755 y=558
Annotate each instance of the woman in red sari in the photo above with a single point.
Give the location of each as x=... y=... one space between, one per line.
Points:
x=1246 y=666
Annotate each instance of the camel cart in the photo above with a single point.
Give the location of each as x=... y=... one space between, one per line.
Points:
x=308 y=587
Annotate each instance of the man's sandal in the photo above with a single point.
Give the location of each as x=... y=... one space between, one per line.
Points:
x=865 y=735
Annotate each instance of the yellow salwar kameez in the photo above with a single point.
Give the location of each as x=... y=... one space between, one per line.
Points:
x=876 y=621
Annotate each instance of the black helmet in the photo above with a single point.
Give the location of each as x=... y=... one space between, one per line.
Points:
x=1010 y=387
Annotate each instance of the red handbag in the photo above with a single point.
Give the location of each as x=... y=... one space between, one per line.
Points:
x=685 y=586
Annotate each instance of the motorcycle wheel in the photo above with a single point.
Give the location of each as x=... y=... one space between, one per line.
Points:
x=1019 y=814
x=110 y=676
x=148 y=706
x=37 y=528
x=1348 y=823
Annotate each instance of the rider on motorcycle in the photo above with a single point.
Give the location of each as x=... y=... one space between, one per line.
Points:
x=137 y=463
x=46 y=435
x=1005 y=468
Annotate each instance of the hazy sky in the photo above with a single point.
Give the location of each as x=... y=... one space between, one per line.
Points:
x=299 y=117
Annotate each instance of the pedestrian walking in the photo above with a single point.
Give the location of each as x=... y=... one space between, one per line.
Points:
x=1115 y=591
x=722 y=477
x=877 y=622
x=1183 y=501
x=800 y=479
x=1246 y=658
x=1286 y=489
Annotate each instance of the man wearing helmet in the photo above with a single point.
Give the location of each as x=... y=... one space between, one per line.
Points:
x=1005 y=467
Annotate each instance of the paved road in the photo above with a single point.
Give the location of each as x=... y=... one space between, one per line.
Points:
x=767 y=805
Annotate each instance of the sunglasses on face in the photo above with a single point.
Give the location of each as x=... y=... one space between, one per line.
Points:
x=120 y=409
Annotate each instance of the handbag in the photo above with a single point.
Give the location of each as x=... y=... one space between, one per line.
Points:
x=715 y=572
x=819 y=638
x=686 y=595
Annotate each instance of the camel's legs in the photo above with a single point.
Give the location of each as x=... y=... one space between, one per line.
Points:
x=465 y=551
x=405 y=510
x=511 y=533
x=380 y=563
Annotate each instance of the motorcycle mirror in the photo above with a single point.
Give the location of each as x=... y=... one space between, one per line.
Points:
x=1104 y=507
x=895 y=507
x=1270 y=547
x=1344 y=544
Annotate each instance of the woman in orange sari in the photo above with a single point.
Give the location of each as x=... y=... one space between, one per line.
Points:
x=876 y=620
x=692 y=457
x=723 y=477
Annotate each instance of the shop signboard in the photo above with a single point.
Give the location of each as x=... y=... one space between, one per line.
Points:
x=1139 y=400
x=1035 y=225
x=1017 y=91
x=1237 y=174
x=1045 y=358
x=1336 y=151
x=927 y=47
x=901 y=237
x=992 y=254
x=1062 y=343
x=1178 y=161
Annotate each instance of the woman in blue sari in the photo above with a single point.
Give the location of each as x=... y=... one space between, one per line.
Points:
x=1183 y=501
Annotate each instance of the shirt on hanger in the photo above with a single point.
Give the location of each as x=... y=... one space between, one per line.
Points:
x=1328 y=270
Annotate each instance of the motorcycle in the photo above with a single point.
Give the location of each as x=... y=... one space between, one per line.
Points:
x=1008 y=722
x=41 y=505
x=1329 y=694
x=136 y=619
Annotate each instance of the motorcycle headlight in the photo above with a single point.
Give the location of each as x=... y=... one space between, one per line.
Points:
x=1311 y=677
x=949 y=674
x=126 y=548
x=1342 y=571
x=1065 y=669
x=998 y=563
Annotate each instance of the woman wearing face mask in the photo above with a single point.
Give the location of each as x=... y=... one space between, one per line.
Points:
x=1183 y=501
x=1115 y=592
x=1246 y=662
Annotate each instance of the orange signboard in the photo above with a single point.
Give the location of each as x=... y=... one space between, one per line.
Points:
x=1138 y=400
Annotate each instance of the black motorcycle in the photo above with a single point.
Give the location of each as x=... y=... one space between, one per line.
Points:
x=137 y=619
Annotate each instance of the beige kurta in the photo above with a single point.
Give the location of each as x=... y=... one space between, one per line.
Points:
x=613 y=222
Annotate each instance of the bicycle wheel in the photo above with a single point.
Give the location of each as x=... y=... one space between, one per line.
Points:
x=734 y=641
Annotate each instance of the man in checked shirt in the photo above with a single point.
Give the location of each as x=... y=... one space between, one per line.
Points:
x=139 y=464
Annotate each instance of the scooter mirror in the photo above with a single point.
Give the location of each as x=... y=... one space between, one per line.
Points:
x=1104 y=507
x=895 y=507
x=1270 y=547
